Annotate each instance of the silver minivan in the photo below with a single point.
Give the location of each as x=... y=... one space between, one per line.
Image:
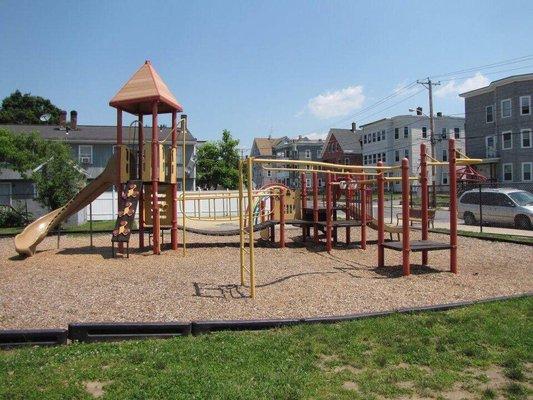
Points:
x=499 y=206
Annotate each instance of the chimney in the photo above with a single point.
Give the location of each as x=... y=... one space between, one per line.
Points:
x=439 y=114
x=62 y=119
x=73 y=120
x=419 y=111
x=353 y=127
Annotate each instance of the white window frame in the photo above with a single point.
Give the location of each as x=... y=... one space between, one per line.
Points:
x=406 y=153
x=495 y=137
x=424 y=132
x=308 y=153
x=90 y=146
x=530 y=171
x=503 y=140
x=529 y=104
x=456 y=133
x=510 y=108
x=503 y=172
x=397 y=155
x=487 y=114
x=308 y=182
x=405 y=132
x=522 y=131
x=444 y=178
x=396 y=133
x=444 y=154
x=269 y=173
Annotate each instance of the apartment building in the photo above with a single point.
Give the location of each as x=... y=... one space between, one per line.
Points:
x=392 y=139
x=262 y=148
x=499 y=125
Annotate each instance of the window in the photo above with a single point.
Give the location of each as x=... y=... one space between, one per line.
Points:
x=444 y=133
x=444 y=155
x=507 y=140
x=506 y=108
x=382 y=135
x=444 y=179
x=384 y=157
x=526 y=171
x=525 y=105
x=308 y=154
x=396 y=155
x=507 y=172
x=490 y=146
x=318 y=153
x=379 y=136
x=346 y=160
x=526 y=138
x=396 y=133
x=456 y=133
x=406 y=153
x=489 y=114
x=424 y=132
x=374 y=158
x=405 y=132
x=85 y=153
x=470 y=198
x=373 y=136
x=364 y=159
x=269 y=173
x=364 y=139
x=308 y=182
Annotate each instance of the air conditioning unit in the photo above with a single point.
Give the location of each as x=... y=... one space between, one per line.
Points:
x=85 y=160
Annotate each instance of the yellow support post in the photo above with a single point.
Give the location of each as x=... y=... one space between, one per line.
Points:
x=241 y=224
x=251 y=227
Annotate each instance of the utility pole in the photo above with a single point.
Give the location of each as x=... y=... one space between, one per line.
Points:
x=428 y=83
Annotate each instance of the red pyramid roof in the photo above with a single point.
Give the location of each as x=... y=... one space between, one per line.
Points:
x=141 y=90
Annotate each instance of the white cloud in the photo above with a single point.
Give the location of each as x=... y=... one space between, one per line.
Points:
x=336 y=104
x=453 y=88
x=314 y=136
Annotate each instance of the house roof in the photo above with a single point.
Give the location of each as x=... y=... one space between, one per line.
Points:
x=347 y=140
x=141 y=90
x=497 y=83
x=92 y=133
x=264 y=145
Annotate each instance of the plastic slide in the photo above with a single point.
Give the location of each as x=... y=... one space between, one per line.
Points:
x=26 y=242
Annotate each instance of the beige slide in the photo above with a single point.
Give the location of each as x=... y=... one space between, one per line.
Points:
x=26 y=242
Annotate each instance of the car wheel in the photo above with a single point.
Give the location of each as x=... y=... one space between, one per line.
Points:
x=522 y=222
x=469 y=218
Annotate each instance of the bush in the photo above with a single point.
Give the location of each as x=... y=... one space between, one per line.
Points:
x=13 y=217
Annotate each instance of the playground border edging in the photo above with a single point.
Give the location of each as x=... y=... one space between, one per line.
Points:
x=109 y=331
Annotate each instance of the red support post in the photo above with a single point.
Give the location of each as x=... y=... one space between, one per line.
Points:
x=381 y=215
x=452 y=178
x=272 y=217
x=406 y=246
x=174 y=185
x=424 y=195
x=303 y=196
x=315 y=207
x=362 y=213
x=140 y=158
x=282 y=218
x=334 y=194
x=329 y=212
x=348 y=195
x=119 y=169
x=156 y=228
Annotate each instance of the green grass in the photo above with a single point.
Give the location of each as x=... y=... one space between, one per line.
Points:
x=400 y=355
x=486 y=235
x=97 y=226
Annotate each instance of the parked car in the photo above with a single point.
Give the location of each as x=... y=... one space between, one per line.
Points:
x=499 y=206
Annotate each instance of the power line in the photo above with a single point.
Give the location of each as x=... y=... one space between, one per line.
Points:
x=487 y=66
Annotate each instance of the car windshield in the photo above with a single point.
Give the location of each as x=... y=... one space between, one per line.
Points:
x=522 y=198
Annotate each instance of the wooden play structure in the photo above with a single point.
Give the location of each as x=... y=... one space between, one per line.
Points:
x=145 y=173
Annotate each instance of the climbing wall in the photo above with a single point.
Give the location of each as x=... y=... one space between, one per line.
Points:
x=130 y=197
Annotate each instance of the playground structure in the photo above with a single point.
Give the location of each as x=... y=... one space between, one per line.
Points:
x=146 y=177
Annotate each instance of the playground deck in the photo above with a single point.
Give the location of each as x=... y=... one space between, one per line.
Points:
x=80 y=284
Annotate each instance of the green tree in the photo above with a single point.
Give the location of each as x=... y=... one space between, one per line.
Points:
x=218 y=163
x=20 y=108
x=48 y=163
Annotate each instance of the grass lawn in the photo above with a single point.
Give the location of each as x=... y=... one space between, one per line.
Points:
x=483 y=351
x=486 y=235
x=97 y=226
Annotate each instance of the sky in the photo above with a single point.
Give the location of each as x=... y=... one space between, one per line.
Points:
x=259 y=68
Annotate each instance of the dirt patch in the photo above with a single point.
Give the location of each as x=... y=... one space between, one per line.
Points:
x=349 y=385
x=95 y=388
x=457 y=393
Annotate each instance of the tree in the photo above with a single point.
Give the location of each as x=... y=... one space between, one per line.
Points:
x=218 y=163
x=48 y=163
x=20 y=108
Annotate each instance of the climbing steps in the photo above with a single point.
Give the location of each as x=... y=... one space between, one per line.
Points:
x=130 y=198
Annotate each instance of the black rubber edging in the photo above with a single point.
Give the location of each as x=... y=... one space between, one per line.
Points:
x=32 y=337
x=199 y=327
x=112 y=331
x=487 y=238
x=98 y=332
